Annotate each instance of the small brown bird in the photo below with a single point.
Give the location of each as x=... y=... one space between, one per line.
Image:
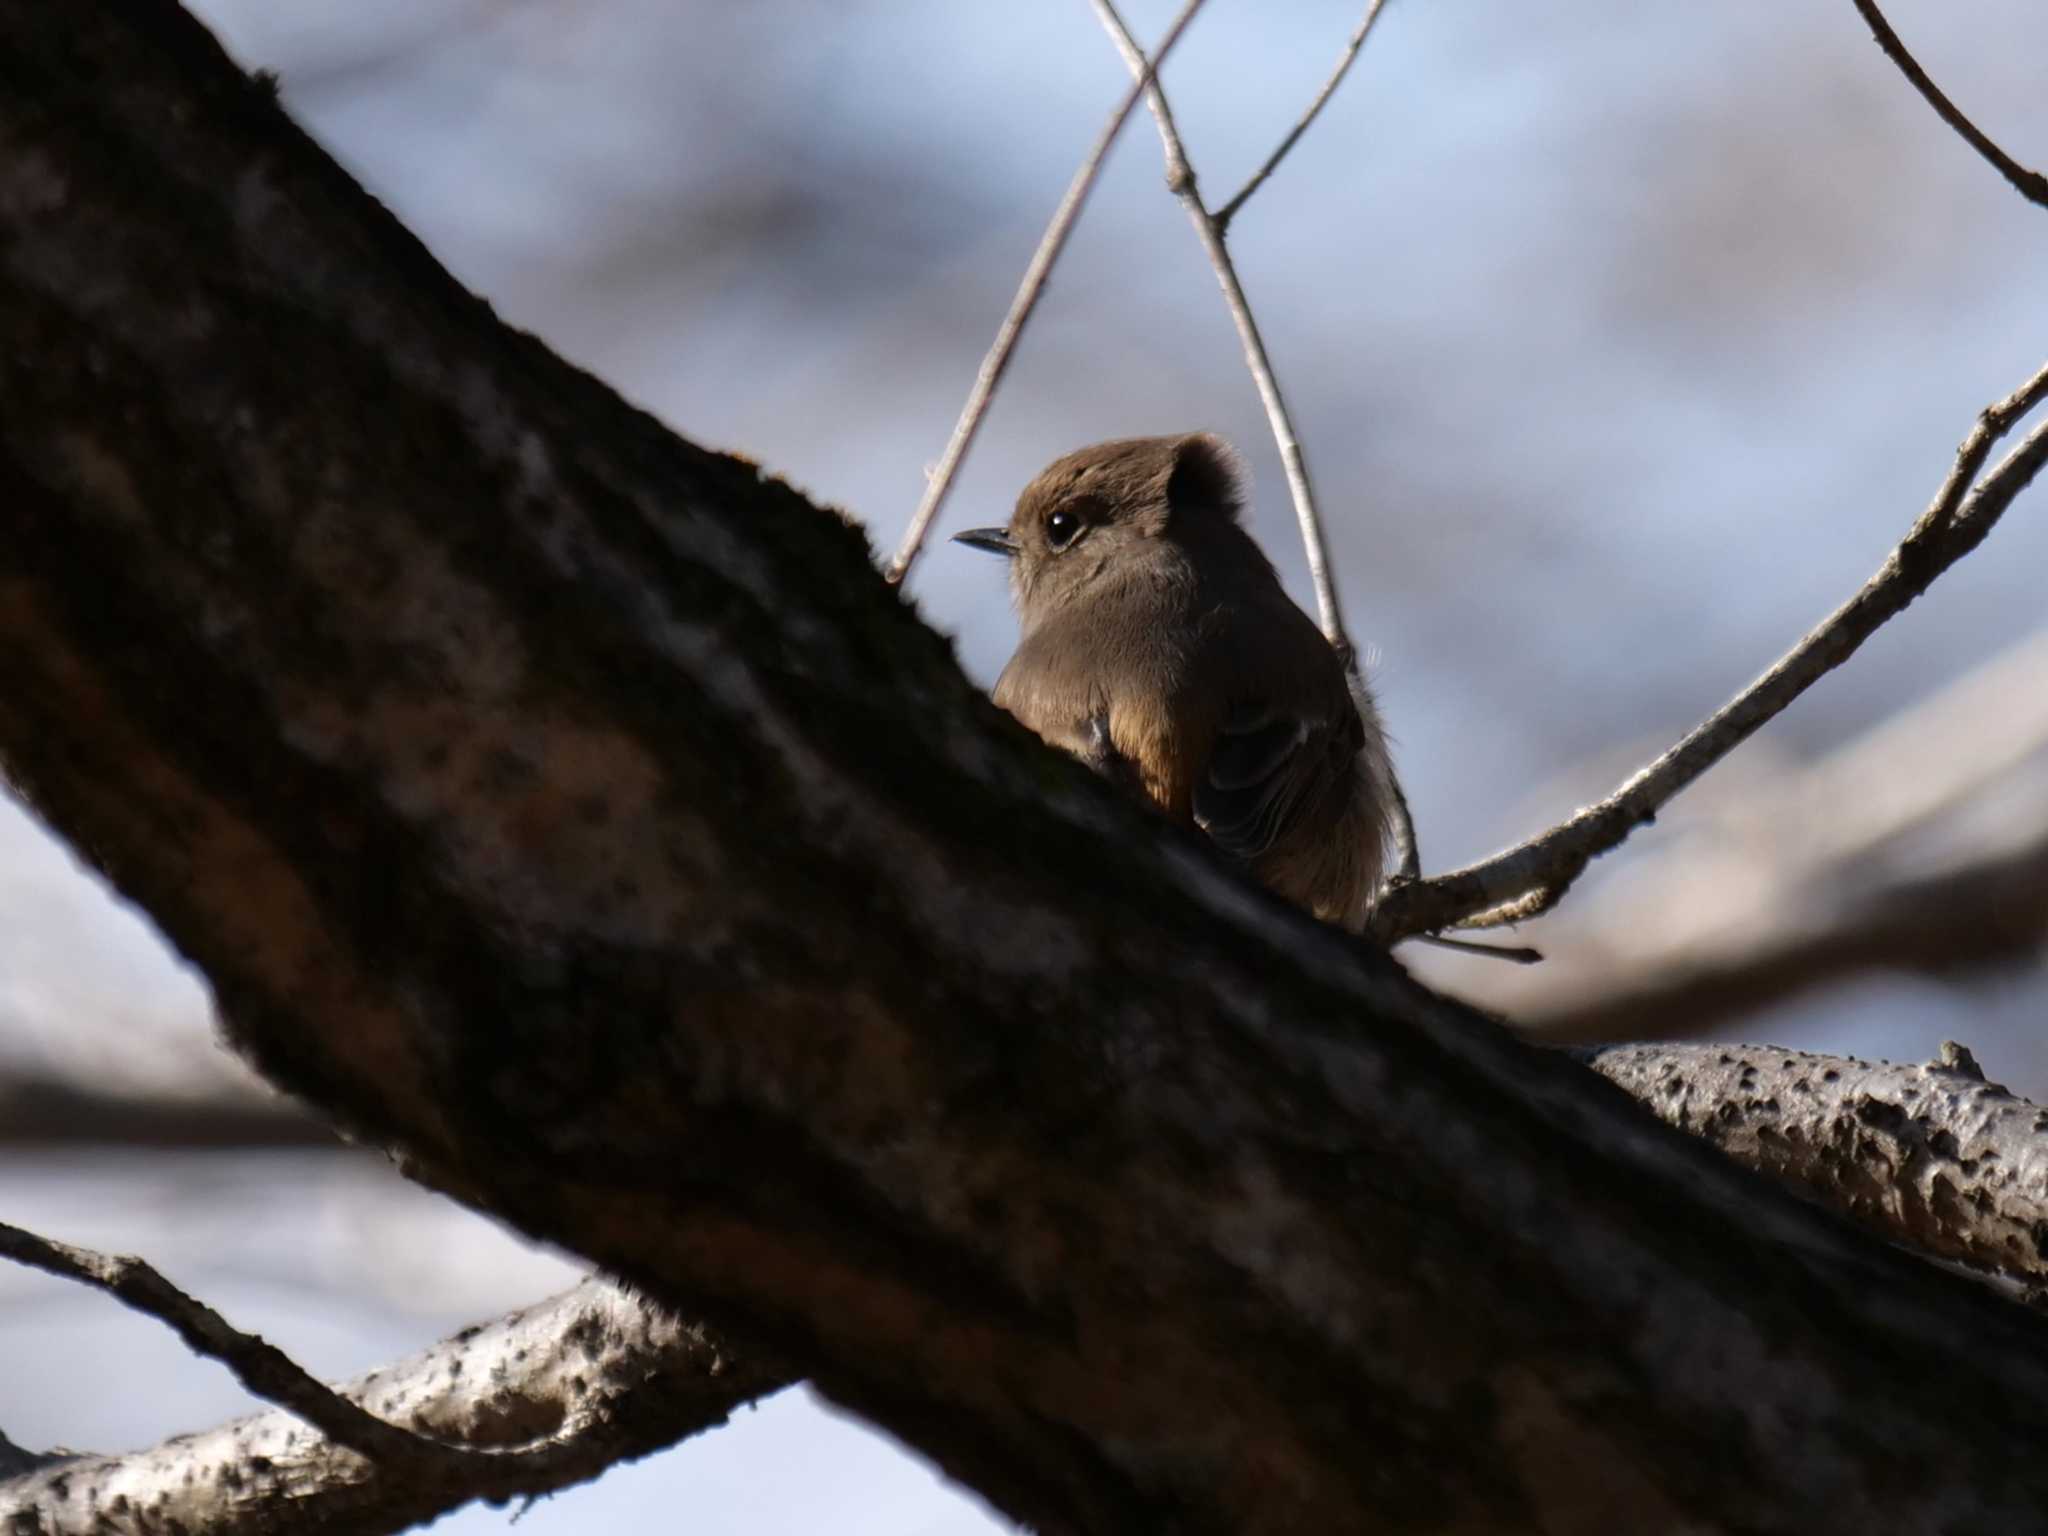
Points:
x=1159 y=647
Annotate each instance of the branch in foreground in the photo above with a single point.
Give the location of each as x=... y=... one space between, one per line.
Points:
x=1928 y=1157
x=1527 y=881
x=2031 y=185
x=575 y=811
x=540 y=1400
x=1036 y=273
x=1932 y=1157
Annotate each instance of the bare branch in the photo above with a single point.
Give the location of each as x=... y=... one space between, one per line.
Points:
x=1775 y=880
x=2031 y=185
x=261 y=1367
x=1528 y=880
x=615 y=1378
x=1932 y=1157
x=1180 y=179
x=542 y=1399
x=1036 y=273
x=1228 y=211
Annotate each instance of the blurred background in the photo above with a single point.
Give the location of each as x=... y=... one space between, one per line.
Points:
x=1624 y=341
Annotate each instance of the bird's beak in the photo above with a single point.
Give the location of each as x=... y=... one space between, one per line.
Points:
x=996 y=541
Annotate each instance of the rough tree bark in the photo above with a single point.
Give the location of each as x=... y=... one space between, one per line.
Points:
x=575 y=811
x=1932 y=1155
x=547 y=1397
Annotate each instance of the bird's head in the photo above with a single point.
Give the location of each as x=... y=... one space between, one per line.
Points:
x=1102 y=510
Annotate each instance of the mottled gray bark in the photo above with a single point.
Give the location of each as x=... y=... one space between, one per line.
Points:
x=576 y=811
x=547 y=1397
x=1930 y=1155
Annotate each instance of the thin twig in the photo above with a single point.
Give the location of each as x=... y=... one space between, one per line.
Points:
x=1180 y=179
x=1514 y=954
x=546 y=1397
x=1794 y=878
x=263 y=1368
x=1528 y=880
x=1407 y=851
x=1050 y=244
x=1228 y=211
x=2031 y=185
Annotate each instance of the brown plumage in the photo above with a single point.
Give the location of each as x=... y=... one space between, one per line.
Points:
x=1159 y=646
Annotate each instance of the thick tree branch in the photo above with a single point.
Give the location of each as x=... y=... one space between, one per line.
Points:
x=1927 y=1156
x=538 y=1401
x=580 y=814
x=264 y=1369
x=2031 y=185
x=1930 y=1156
x=1528 y=880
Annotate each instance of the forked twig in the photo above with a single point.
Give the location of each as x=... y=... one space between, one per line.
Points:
x=2031 y=185
x=1050 y=244
x=263 y=1368
x=1528 y=880
x=1180 y=179
x=1053 y=242
x=1228 y=211
x=1862 y=859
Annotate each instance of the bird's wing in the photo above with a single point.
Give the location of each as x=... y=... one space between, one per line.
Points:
x=1056 y=700
x=1269 y=764
x=1100 y=692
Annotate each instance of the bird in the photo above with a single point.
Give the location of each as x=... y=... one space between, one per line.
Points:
x=1159 y=647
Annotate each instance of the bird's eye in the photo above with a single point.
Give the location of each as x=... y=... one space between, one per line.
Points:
x=1060 y=529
